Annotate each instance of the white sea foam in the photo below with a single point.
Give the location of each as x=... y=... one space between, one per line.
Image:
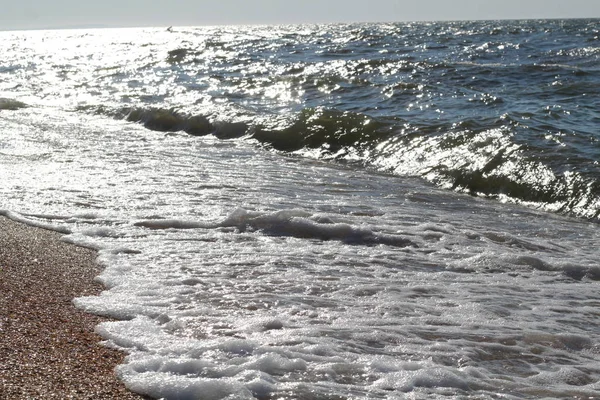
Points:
x=33 y=222
x=170 y=224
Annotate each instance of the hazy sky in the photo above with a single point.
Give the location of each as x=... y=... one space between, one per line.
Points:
x=35 y=14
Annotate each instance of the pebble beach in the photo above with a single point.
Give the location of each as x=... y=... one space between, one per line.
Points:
x=48 y=348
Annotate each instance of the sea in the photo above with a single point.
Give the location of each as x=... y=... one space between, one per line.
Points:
x=331 y=212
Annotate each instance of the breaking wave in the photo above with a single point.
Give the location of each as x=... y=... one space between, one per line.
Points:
x=497 y=158
x=11 y=104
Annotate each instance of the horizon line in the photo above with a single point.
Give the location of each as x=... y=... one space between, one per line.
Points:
x=257 y=24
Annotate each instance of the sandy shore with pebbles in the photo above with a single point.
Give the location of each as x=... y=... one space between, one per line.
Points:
x=48 y=348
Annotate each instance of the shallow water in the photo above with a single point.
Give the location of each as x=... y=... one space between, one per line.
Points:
x=235 y=271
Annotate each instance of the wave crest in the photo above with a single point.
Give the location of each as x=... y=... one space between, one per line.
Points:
x=499 y=158
x=11 y=104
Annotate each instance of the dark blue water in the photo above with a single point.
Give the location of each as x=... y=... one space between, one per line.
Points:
x=500 y=109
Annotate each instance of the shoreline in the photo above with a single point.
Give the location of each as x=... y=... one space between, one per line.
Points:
x=48 y=347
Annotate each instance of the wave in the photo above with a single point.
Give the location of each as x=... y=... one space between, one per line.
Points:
x=492 y=163
x=487 y=262
x=173 y=120
x=11 y=104
x=330 y=130
x=292 y=223
x=168 y=120
x=494 y=157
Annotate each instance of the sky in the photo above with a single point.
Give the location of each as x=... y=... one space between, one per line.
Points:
x=44 y=14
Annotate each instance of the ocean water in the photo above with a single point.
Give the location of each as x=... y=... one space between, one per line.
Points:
x=366 y=211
